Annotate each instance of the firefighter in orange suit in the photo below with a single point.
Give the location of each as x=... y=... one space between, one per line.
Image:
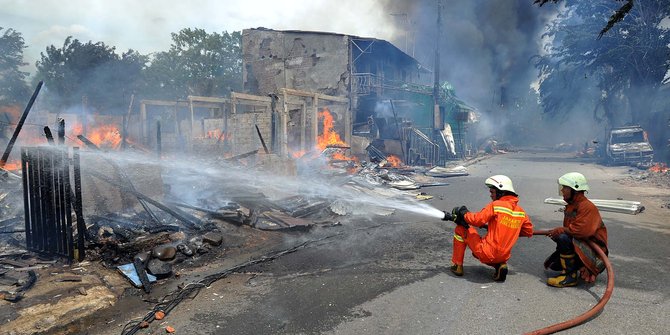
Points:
x=581 y=223
x=506 y=221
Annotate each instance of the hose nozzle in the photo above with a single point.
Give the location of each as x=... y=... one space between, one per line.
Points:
x=447 y=216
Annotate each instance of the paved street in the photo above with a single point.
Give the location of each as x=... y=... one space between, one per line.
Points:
x=389 y=275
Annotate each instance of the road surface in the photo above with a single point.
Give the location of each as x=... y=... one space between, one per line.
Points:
x=389 y=274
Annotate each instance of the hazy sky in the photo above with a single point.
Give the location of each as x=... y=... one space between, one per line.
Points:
x=485 y=44
x=146 y=25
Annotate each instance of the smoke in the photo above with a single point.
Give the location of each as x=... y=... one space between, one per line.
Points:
x=485 y=50
x=485 y=47
x=194 y=181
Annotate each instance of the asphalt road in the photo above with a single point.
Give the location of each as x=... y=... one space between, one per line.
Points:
x=389 y=275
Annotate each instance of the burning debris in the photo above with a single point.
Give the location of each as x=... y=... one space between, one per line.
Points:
x=150 y=205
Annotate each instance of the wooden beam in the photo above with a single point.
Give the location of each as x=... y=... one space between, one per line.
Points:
x=243 y=96
x=208 y=99
x=180 y=103
x=291 y=91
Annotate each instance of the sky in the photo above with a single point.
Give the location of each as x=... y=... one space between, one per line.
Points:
x=485 y=45
x=146 y=25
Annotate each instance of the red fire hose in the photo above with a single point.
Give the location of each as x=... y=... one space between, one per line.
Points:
x=595 y=309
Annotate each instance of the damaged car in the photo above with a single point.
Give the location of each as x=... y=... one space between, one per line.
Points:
x=629 y=146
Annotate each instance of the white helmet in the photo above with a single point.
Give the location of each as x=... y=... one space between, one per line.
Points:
x=500 y=182
x=574 y=180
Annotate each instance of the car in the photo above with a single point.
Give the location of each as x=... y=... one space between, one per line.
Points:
x=629 y=146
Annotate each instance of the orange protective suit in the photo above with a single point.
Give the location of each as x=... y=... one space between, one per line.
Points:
x=506 y=222
x=582 y=221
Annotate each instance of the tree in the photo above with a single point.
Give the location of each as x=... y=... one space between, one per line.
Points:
x=628 y=63
x=622 y=72
x=197 y=63
x=13 y=86
x=90 y=71
x=617 y=16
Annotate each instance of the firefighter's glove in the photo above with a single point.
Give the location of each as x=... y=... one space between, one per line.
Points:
x=555 y=232
x=458 y=213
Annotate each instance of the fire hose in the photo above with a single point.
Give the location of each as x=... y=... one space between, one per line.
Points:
x=595 y=309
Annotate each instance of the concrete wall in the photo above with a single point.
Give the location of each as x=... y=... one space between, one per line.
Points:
x=244 y=137
x=312 y=62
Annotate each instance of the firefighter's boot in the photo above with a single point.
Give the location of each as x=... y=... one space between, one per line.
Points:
x=456 y=269
x=568 y=276
x=501 y=272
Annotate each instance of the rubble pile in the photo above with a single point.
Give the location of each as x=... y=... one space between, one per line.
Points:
x=649 y=177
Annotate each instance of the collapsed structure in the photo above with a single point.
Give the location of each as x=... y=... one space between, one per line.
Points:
x=380 y=100
x=307 y=94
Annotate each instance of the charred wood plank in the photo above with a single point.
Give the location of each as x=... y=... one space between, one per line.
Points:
x=262 y=140
x=144 y=243
x=216 y=214
x=142 y=274
x=310 y=209
x=77 y=204
x=13 y=231
x=49 y=135
x=14 y=263
x=61 y=131
x=88 y=142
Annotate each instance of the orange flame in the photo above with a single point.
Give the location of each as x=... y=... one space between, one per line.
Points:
x=105 y=136
x=328 y=136
x=394 y=161
x=659 y=168
x=298 y=154
x=76 y=129
x=14 y=165
x=216 y=134
x=13 y=113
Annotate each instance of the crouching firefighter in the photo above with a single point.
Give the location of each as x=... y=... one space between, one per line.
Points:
x=505 y=221
x=581 y=223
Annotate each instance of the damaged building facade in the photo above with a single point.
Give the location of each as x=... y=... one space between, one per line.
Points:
x=380 y=98
x=304 y=91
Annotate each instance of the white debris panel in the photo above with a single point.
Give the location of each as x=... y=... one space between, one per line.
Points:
x=618 y=206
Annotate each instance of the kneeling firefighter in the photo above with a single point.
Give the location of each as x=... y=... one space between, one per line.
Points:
x=506 y=221
x=581 y=222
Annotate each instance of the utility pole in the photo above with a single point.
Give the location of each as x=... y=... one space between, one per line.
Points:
x=436 y=86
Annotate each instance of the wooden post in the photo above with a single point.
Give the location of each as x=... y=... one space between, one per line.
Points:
x=315 y=120
x=126 y=119
x=190 y=107
x=283 y=120
x=61 y=131
x=303 y=125
x=49 y=135
x=158 y=139
x=143 y=122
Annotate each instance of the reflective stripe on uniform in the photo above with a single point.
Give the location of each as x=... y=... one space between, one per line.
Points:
x=500 y=209
x=459 y=238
